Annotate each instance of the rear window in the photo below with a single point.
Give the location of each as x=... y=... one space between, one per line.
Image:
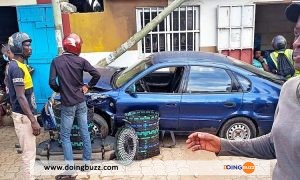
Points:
x=263 y=74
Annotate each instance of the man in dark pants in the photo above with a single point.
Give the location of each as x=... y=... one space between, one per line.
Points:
x=68 y=68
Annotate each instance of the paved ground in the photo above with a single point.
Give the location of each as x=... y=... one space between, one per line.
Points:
x=10 y=160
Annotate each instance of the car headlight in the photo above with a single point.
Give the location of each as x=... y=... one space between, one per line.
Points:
x=95 y=96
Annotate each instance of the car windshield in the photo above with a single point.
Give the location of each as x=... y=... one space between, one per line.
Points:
x=130 y=72
x=263 y=74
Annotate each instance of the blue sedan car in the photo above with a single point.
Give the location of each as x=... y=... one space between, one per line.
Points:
x=193 y=91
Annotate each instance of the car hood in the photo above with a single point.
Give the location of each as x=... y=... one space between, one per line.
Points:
x=105 y=80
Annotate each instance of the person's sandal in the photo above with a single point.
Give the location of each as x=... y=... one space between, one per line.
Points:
x=68 y=177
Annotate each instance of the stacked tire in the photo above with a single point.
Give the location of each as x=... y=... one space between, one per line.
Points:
x=75 y=137
x=146 y=125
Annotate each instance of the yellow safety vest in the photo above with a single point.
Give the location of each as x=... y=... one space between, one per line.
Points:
x=289 y=55
x=27 y=77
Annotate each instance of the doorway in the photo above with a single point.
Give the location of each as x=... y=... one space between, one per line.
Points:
x=9 y=23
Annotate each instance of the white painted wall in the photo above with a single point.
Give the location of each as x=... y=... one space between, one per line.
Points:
x=127 y=59
x=17 y=2
x=208 y=17
x=208 y=29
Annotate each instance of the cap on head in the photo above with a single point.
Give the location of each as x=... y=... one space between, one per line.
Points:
x=72 y=43
x=292 y=12
x=16 y=41
x=279 y=42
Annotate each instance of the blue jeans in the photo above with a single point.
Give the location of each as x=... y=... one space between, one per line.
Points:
x=67 y=117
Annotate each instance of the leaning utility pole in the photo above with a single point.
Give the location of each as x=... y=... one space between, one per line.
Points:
x=139 y=35
x=58 y=24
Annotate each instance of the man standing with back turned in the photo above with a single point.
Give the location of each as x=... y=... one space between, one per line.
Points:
x=69 y=68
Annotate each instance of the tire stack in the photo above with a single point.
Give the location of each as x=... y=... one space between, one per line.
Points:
x=146 y=125
x=75 y=138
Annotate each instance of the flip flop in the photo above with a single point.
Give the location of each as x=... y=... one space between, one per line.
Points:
x=66 y=177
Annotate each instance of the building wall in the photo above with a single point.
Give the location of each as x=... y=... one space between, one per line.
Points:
x=106 y=31
x=269 y=24
x=208 y=18
x=208 y=26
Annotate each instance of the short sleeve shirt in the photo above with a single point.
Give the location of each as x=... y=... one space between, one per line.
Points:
x=18 y=75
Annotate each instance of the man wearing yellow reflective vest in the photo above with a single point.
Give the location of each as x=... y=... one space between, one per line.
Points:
x=280 y=52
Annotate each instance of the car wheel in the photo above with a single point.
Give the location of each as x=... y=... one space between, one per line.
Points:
x=238 y=128
x=126 y=145
x=100 y=128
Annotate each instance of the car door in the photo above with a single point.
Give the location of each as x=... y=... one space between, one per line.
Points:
x=209 y=97
x=160 y=99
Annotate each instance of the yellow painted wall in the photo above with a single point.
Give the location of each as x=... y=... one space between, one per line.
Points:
x=106 y=31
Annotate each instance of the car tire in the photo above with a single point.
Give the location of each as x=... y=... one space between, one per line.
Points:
x=238 y=128
x=126 y=145
x=100 y=128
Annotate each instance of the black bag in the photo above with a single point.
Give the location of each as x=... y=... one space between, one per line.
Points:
x=285 y=67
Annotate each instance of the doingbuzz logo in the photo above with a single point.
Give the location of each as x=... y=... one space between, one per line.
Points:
x=247 y=167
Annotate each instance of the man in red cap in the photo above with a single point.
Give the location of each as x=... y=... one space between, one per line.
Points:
x=283 y=142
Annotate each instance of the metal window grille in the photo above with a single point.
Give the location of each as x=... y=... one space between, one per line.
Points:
x=180 y=31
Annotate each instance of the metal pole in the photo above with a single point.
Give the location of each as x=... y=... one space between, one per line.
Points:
x=139 y=35
x=58 y=24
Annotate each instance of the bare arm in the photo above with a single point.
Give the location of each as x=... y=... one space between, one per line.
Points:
x=264 y=63
x=261 y=147
x=20 y=93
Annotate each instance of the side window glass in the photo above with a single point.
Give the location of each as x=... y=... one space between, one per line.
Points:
x=244 y=82
x=208 y=80
x=163 y=80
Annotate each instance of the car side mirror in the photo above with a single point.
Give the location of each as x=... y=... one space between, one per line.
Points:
x=131 y=90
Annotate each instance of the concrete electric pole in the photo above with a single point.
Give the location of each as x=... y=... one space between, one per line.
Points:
x=58 y=24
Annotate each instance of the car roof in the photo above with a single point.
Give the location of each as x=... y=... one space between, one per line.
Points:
x=192 y=56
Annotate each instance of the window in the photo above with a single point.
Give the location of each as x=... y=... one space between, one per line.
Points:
x=179 y=31
x=245 y=83
x=236 y=26
x=164 y=80
x=130 y=72
x=208 y=79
